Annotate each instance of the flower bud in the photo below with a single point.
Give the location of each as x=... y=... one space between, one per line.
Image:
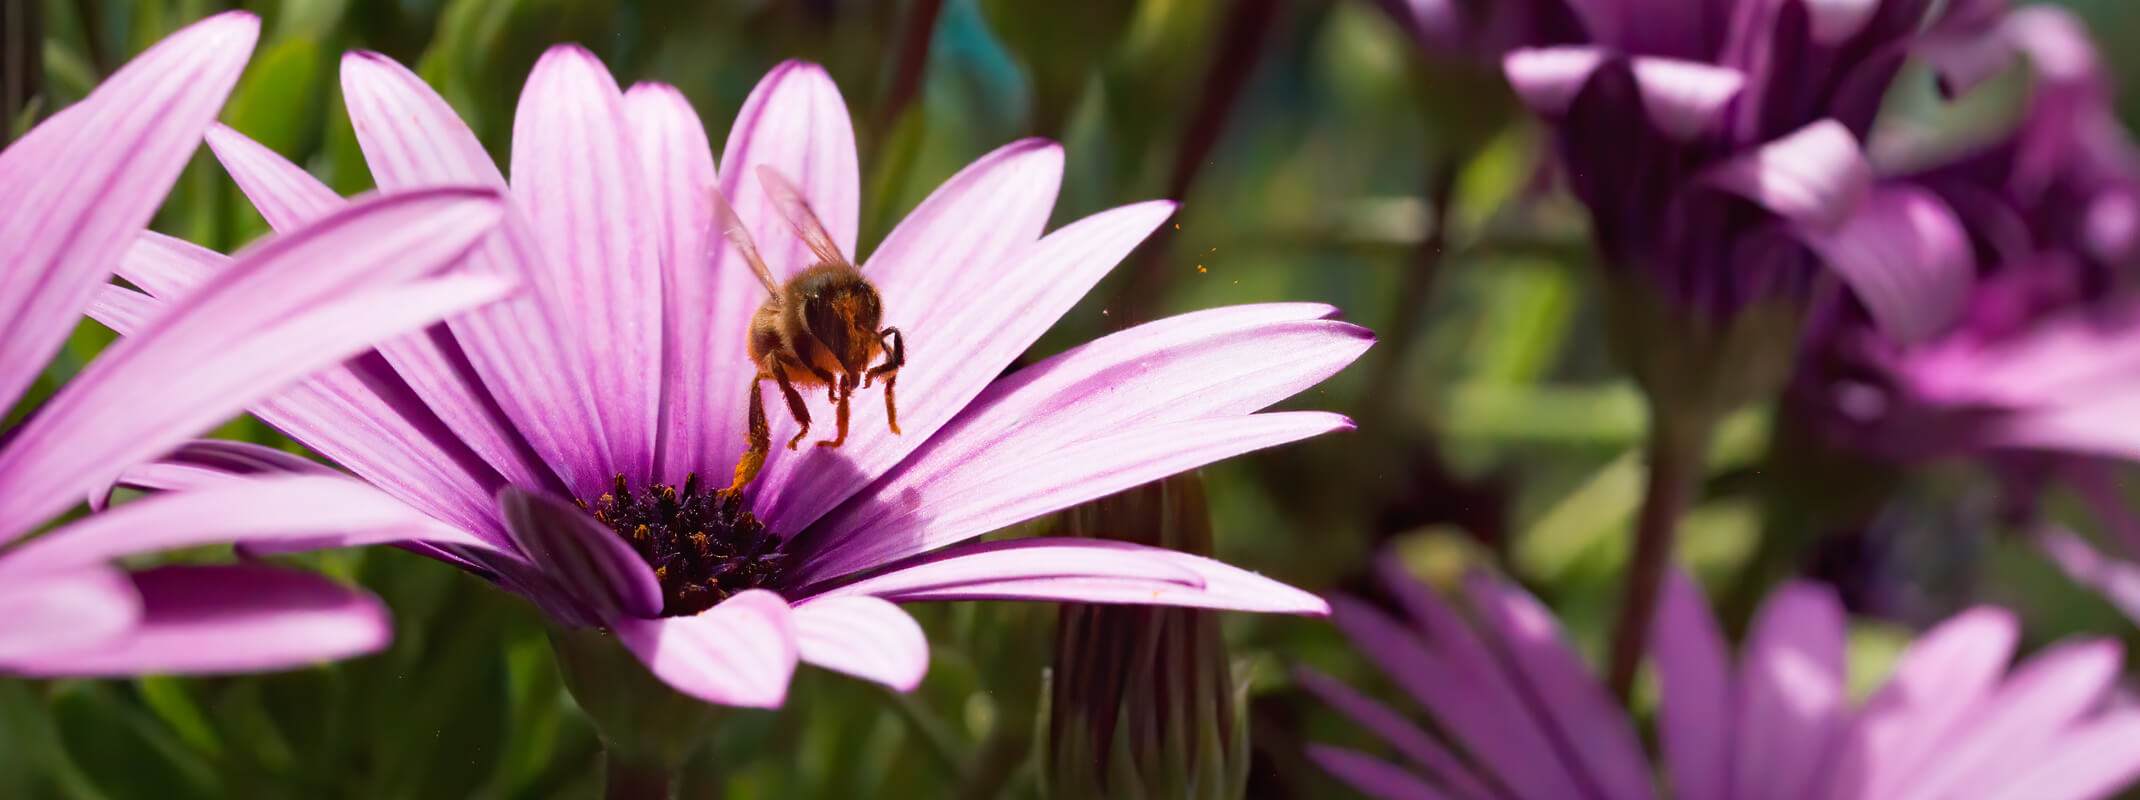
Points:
x=1142 y=701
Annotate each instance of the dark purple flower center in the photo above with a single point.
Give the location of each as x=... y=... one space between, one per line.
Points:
x=703 y=546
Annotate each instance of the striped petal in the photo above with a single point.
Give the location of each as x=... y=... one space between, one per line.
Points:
x=59 y=611
x=866 y=637
x=576 y=175
x=586 y=559
x=80 y=184
x=1791 y=694
x=739 y=653
x=411 y=138
x=699 y=418
x=261 y=511
x=430 y=364
x=1222 y=362
x=262 y=324
x=964 y=503
x=1372 y=776
x=1080 y=571
x=227 y=619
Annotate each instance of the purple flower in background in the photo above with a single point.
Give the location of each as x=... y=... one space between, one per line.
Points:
x=1717 y=146
x=78 y=189
x=619 y=381
x=1516 y=714
x=2038 y=375
x=2043 y=352
x=1482 y=30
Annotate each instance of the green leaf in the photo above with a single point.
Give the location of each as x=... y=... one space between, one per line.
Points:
x=172 y=701
x=125 y=751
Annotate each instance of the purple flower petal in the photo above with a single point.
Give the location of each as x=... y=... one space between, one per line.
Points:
x=1548 y=78
x=1685 y=99
x=739 y=653
x=1815 y=176
x=430 y=364
x=236 y=339
x=1831 y=22
x=224 y=619
x=965 y=503
x=81 y=183
x=207 y=462
x=2076 y=364
x=1392 y=728
x=65 y=610
x=2116 y=579
x=1221 y=362
x=1906 y=257
x=983 y=563
x=2044 y=699
x=576 y=175
x=253 y=510
x=1934 y=696
x=1482 y=662
x=285 y=195
x=1082 y=571
x=2094 y=761
x=948 y=273
x=866 y=637
x=1372 y=776
x=360 y=414
x=167 y=266
x=411 y=138
x=587 y=560
x=698 y=414
x=1595 y=728
x=1792 y=702
x=1478 y=711
x=1694 y=717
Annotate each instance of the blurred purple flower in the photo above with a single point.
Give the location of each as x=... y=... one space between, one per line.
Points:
x=621 y=377
x=2039 y=376
x=1717 y=146
x=1482 y=30
x=1516 y=714
x=77 y=190
x=2046 y=351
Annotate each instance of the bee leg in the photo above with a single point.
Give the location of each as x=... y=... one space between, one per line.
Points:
x=795 y=406
x=895 y=355
x=761 y=439
x=891 y=410
x=839 y=415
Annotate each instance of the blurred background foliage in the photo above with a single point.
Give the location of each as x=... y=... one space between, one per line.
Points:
x=1320 y=156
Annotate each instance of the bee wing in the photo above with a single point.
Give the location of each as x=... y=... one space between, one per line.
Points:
x=797 y=210
x=731 y=226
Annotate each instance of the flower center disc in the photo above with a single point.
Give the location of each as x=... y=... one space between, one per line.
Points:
x=703 y=546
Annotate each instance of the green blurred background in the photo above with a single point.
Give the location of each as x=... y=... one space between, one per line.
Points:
x=1320 y=156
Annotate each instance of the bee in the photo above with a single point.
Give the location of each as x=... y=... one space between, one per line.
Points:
x=818 y=329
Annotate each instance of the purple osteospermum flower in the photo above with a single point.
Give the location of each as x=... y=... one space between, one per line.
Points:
x=1716 y=144
x=620 y=380
x=1518 y=716
x=77 y=189
x=1483 y=30
x=2036 y=375
x=2042 y=355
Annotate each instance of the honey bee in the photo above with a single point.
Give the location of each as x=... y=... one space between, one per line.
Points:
x=818 y=329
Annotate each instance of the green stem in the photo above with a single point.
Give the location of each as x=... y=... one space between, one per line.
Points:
x=1678 y=449
x=626 y=779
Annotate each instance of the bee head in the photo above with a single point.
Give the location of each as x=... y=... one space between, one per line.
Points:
x=844 y=319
